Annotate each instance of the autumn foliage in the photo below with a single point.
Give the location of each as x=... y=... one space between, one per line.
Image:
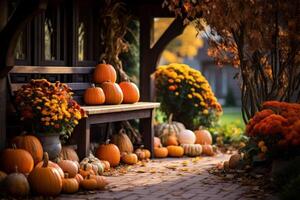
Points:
x=261 y=38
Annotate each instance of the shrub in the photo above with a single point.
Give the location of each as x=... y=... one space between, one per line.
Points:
x=186 y=93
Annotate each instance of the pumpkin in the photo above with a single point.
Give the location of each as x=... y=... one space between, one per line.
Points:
x=129 y=158
x=172 y=140
x=234 y=161
x=86 y=170
x=68 y=153
x=94 y=96
x=157 y=142
x=16 y=184
x=130 y=91
x=203 y=137
x=94 y=163
x=109 y=152
x=45 y=180
x=101 y=182
x=113 y=93
x=78 y=178
x=69 y=185
x=89 y=183
x=104 y=72
x=160 y=152
x=106 y=165
x=68 y=166
x=13 y=157
x=54 y=165
x=140 y=154
x=192 y=149
x=2 y=177
x=208 y=150
x=31 y=144
x=122 y=141
x=175 y=151
x=147 y=153
x=164 y=130
x=186 y=137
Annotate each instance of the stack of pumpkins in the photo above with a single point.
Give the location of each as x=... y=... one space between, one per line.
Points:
x=174 y=140
x=27 y=168
x=109 y=91
x=121 y=149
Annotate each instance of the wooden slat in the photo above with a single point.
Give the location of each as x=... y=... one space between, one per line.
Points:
x=102 y=109
x=50 y=70
x=74 y=86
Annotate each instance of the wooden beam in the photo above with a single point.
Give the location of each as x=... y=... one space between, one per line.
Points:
x=3 y=81
x=25 y=11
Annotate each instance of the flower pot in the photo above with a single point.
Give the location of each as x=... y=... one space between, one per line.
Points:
x=51 y=144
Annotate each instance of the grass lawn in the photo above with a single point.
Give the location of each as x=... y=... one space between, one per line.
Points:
x=231 y=114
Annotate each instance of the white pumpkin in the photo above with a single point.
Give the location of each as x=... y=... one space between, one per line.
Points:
x=186 y=137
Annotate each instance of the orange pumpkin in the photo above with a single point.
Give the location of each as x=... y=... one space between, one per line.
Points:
x=203 y=137
x=109 y=152
x=52 y=164
x=131 y=92
x=69 y=185
x=175 y=151
x=31 y=144
x=68 y=166
x=129 y=158
x=45 y=180
x=94 y=96
x=113 y=93
x=13 y=157
x=160 y=152
x=89 y=183
x=104 y=72
x=172 y=140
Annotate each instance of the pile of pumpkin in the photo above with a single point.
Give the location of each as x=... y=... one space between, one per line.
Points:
x=121 y=150
x=109 y=91
x=26 y=168
x=174 y=140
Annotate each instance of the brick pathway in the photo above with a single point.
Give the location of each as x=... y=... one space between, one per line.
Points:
x=184 y=178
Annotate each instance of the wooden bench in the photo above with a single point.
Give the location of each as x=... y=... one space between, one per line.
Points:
x=20 y=75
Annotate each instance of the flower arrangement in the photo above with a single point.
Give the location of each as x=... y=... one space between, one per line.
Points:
x=186 y=93
x=50 y=108
x=276 y=128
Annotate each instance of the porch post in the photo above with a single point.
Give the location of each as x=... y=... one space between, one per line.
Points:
x=3 y=82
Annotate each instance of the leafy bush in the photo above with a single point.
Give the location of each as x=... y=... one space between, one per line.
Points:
x=186 y=93
x=229 y=133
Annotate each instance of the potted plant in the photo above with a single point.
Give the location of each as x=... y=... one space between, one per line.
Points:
x=50 y=110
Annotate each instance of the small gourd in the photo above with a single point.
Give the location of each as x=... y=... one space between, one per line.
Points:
x=129 y=158
x=69 y=185
x=186 y=137
x=175 y=151
x=101 y=182
x=88 y=183
x=192 y=149
x=208 y=150
x=160 y=152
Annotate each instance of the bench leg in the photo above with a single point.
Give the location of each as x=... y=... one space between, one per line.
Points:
x=147 y=130
x=83 y=138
